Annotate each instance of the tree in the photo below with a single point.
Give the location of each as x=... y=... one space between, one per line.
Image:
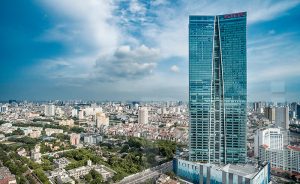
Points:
x=30 y=179
x=21 y=180
x=88 y=177
x=46 y=165
x=96 y=175
x=151 y=159
x=18 y=132
x=62 y=137
x=25 y=140
x=171 y=174
x=41 y=175
x=77 y=129
x=125 y=149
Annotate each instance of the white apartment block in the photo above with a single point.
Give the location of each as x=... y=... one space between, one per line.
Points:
x=49 y=110
x=84 y=170
x=35 y=154
x=3 y=108
x=101 y=119
x=92 y=110
x=80 y=114
x=287 y=159
x=272 y=137
x=50 y=131
x=74 y=112
x=92 y=139
x=69 y=122
x=269 y=146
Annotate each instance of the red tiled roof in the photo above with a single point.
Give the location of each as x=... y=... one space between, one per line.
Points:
x=294 y=148
x=265 y=146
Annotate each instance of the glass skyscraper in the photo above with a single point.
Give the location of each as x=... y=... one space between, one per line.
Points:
x=218 y=88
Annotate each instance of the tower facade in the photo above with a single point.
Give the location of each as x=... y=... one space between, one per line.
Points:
x=143 y=115
x=217 y=88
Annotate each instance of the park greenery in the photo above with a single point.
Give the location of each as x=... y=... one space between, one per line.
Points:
x=15 y=132
x=19 y=165
x=42 y=119
x=93 y=177
x=74 y=129
x=80 y=157
x=125 y=156
x=129 y=157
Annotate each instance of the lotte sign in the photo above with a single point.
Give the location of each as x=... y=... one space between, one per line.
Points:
x=234 y=15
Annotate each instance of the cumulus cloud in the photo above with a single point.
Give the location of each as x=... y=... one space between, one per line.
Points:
x=174 y=69
x=127 y=63
x=87 y=24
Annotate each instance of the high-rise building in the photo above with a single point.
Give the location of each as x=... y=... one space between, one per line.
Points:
x=143 y=115
x=217 y=103
x=217 y=88
x=298 y=111
x=270 y=113
x=80 y=114
x=74 y=113
x=101 y=119
x=74 y=139
x=272 y=137
x=293 y=106
x=282 y=117
x=49 y=110
x=59 y=111
x=92 y=139
x=3 y=108
x=35 y=153
x=257 y=107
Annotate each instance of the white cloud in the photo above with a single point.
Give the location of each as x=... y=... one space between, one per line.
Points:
x=136 y=7
x=127 y=63
x=88 y=23
x=174 y=69
x=159 y=2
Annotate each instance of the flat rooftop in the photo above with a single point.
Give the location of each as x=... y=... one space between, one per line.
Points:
x=247 y=170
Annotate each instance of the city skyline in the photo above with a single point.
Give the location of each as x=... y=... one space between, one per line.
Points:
x=149 y=91
x=96 y=50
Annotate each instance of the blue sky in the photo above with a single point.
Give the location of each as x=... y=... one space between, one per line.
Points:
x=135 y=49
